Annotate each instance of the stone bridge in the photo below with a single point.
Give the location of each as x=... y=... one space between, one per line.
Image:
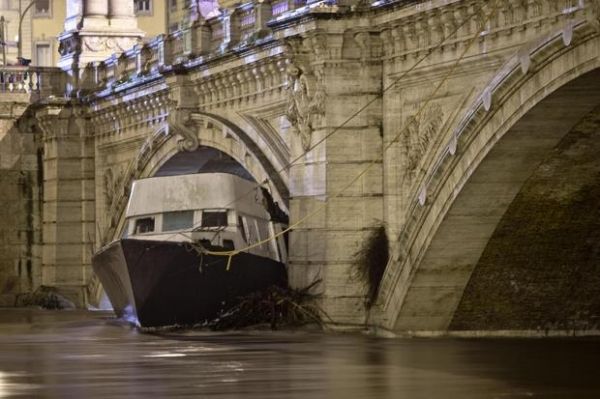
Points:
x=468 y=129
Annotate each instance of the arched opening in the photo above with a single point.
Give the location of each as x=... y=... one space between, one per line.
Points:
x=210 y=160
x=489 y=207
x=541 y=267
x=203 y=160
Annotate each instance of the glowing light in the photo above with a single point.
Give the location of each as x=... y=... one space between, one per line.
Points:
x=165 y=354
x=3 y=386
x=130 y=316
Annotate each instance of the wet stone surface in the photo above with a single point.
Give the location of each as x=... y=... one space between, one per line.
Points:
x=73 y=354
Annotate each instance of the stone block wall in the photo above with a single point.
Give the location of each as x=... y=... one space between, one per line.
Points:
x=20 y=210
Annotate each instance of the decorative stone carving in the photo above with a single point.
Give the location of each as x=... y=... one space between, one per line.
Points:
x=418 y=133
x=99 y=44
x=567 y=34
x=146 y=59
x=87 y=80
x=121 y=69
x=306 y=100
x=94 y=43
x=317 y=43
x=102 y=73
x=183 y=125
x=69 y=45
x=363 y=40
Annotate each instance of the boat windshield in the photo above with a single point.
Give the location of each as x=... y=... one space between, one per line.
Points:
x=178 y=220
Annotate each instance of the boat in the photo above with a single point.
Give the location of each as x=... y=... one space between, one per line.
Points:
x=163 y=271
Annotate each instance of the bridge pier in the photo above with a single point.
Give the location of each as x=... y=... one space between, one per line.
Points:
x=20 y=204
x=341 y=205
x=69 y=201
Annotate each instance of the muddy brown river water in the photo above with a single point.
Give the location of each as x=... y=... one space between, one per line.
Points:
x=78 y=354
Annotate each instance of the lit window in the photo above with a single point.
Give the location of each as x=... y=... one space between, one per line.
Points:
x=42 y=8
x=143 y=6
x=214 y=219
x=178 y=220
x=144 y=225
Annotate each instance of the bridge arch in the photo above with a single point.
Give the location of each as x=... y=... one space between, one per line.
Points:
x=173 y=137
x=532 y=102
x=199 y=129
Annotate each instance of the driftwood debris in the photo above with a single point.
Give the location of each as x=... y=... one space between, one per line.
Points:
x=370 y=262
x=276 y=306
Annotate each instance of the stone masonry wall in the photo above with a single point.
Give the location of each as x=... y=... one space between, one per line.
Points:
x=20 y=233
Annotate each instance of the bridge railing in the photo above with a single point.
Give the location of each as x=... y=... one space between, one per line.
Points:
x=197 y=42
x=38 y=82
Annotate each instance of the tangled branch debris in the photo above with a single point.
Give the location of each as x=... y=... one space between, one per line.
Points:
x=370 y=262
x=276 y=306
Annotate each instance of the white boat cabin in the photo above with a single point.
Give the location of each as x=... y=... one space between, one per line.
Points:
x=213 y=209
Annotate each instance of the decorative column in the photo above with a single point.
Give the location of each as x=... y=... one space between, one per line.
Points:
x=95 y=13
x=121 y=12
x=74 y=13
x=94 y=30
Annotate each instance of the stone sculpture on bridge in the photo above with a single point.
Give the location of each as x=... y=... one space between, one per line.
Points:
x=306 y=101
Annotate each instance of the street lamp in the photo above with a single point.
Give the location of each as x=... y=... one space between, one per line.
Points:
x=21 y=16
x=3 y=38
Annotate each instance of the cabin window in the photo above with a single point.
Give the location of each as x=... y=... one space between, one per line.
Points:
x=214 y=219
x=251 y=231
x=144 y=225
x=179 y=220
x=242 y=228
x=228 y=245
x=261 y=233
x=263 y=229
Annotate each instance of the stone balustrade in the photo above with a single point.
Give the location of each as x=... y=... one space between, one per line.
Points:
x=235 y=29
x=243 y=27
x=40 y=82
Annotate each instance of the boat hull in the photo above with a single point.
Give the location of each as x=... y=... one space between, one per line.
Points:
x=161 y=283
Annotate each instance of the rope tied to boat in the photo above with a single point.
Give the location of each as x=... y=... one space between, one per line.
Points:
x=483 y=22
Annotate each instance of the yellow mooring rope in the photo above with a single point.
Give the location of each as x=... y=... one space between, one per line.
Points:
x=232 y=253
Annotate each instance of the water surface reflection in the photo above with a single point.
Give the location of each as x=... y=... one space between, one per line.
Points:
x=82 y=354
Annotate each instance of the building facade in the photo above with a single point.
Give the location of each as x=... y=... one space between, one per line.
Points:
x=43 y=22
